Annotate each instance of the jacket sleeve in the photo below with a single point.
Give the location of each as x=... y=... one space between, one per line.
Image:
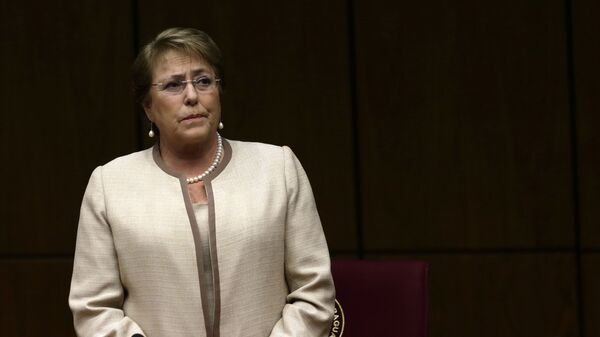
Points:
x=96 y=296
x=311 y=298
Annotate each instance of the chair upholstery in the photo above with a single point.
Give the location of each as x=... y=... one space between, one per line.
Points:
x=382 y=298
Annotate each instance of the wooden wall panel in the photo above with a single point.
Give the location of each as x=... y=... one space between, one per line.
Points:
x=495 y=295
x=286 y=83
x=586 y=55
x=463 y=124
x=35 y=298
x=67 y=107
x=591 y=293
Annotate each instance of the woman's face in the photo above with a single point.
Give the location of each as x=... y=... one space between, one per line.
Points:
x=191 y=116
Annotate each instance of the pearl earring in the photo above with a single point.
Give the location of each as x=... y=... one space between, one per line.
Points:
x=151 y=132
x=221 y=126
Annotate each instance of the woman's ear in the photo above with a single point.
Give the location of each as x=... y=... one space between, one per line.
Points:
x=147 y=105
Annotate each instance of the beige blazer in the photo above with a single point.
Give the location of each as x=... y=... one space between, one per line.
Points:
x=138 y=259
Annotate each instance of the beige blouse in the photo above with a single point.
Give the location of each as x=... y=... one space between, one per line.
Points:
x=201 y=212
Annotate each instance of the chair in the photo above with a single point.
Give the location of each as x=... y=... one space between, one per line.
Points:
x=381 y=298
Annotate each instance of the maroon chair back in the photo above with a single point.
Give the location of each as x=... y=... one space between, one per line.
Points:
x=382 y=298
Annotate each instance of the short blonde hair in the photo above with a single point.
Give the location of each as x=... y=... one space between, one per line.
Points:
x=193 y=42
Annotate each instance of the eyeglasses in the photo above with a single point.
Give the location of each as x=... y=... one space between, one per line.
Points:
x=176 y=87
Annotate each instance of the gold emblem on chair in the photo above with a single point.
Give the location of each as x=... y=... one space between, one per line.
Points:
x=339 y=320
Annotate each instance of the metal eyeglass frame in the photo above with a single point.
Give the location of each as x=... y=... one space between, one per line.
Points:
x=195 y=83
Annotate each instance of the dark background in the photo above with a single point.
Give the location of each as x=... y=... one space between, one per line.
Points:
x=457 y=132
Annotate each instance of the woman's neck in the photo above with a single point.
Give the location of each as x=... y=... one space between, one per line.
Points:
x=189 y=159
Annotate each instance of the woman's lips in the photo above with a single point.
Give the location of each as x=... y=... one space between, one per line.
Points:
x=193 y=117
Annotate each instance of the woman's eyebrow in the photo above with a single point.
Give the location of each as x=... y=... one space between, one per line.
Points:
x=181 y=76
x=175 y=77
x=200 y=71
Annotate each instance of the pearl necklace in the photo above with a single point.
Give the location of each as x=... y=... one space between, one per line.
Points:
x=212 y=166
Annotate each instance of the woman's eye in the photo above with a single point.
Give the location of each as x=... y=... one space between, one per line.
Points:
x=204 y=81
x=171 y=85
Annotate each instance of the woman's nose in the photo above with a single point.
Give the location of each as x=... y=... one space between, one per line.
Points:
x=191 y=95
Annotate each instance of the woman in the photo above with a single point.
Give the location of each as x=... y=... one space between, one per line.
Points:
x=198 y=236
